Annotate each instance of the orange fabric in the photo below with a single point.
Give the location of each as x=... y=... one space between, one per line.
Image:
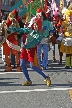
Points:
x=59 y=24
x=7 y=49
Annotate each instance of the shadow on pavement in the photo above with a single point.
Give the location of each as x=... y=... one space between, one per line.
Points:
x=8 y=78
x=61 y=85
x=9 y=84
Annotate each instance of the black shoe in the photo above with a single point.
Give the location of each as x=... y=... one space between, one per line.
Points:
x=60 y=63
x=67 y=67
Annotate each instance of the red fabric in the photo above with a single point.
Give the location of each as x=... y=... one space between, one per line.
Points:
x=18 y=18
x=27 y=55
x=24 y=37
x=39 y=10
x=39 y=23
x=55 y=18
x=8 y=22
x=14 y=11
x=11 y=37
x=53 y=39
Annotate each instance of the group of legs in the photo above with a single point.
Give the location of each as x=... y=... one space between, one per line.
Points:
x=35 y=68
x=7 y=51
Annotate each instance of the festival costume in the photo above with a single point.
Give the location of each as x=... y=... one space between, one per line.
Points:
x=30 y=55
x=21 y=24
x=66 y=46
x=59 y=39
x=47 y=26
x=12 y=38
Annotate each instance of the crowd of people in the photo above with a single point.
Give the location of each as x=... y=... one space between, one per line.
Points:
x=23 y=41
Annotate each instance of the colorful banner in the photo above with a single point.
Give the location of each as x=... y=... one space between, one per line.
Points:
x=32 y=7
x=21 y=7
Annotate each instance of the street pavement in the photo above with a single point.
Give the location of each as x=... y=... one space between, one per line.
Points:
x=14 y=95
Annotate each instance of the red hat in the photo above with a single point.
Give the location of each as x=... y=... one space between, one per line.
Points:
x=8 y=22
x=39 y=23
x=14 y=11
x=39 y=10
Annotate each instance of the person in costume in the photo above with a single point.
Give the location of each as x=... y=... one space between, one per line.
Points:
x=12 y=38
x=30 y=55
x=59 y=39
x=66 y=46
x=21 y=24
x=1 y=38
x=57 y=36
x=43 y=45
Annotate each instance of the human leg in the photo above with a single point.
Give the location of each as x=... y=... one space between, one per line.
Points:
x=15 y=54
x=6 y=52
x=25 y=72
x=13 y=60
x=67 y=61
x=9 y=67
x=71 y=60
x=45 y=57
x=53 y=49
x=38 y=70
x=60 y=54
x=39 y=47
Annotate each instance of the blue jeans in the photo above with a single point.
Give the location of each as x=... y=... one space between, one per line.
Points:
x=45 y=48
x=25 y=71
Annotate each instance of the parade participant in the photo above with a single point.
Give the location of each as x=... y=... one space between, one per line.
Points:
x=29 y=55
x=1 y=37
x=21 y=24
x=11 y=37
x=55 y=36
x=67 y=41
x=46 y=26
x=59 y=39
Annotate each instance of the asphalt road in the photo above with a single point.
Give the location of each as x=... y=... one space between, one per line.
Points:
x=14 y=95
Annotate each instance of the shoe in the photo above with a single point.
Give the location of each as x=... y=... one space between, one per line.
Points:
x=67 y=67
x=60 y=63
x=26 y=83
x=8 y=69
x=18 y=69
x=48 y=81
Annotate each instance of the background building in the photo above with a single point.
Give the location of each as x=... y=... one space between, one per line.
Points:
x=5 y=5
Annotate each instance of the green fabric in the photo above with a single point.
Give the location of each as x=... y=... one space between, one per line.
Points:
x=68 y=61
x=49 y=26
x=33 y=39
x=22 y=10
x=19 y=30
x=71 y=60
x=33 y=6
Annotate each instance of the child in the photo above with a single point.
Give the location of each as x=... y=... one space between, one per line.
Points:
x=29 y=55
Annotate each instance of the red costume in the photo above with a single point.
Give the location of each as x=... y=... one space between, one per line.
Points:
x=12 y=38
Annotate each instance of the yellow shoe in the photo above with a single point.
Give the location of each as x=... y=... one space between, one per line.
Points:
x=48 y=81
x=26 y=83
